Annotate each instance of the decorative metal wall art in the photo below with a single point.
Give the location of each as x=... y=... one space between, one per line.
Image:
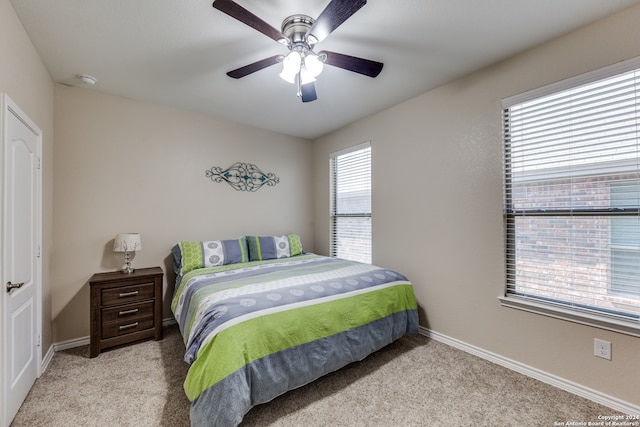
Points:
x=242 y=176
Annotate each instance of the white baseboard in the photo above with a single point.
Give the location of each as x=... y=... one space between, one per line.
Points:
x=61 y=346
x=545 y=377
x=76 y=342
x=79 y=342
x=47 y=359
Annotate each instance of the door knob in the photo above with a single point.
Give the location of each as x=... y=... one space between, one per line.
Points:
x=14 y=286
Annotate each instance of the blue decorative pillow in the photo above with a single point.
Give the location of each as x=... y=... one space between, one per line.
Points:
x=191 y=255
x=272 y=247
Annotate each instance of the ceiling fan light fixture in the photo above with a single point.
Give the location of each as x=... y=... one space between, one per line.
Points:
x=307 y=64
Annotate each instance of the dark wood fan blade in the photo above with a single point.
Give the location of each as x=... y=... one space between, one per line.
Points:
x=332 y=16
x=238 y=12
x=252 y=68
x=308 y=92
x=352 y=63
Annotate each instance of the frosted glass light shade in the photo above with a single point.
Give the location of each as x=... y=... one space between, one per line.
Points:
x=291 y=66
x=306 y=76
x=313 y=65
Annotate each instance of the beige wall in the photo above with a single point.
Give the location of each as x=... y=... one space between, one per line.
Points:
x=437 y=208
x=25 y=79
x=129 y=166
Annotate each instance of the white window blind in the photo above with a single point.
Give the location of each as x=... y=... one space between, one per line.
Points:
x=350 y=172
x=572 y=193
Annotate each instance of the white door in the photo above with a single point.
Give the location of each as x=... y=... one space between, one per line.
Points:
x=21 y=267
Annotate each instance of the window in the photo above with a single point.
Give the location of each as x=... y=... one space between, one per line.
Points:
x=350 y=172
x=572 y=198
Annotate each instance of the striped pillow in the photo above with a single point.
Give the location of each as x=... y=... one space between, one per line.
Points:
x=272 y=247
x=192 y=255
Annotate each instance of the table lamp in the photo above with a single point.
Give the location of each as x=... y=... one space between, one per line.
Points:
x=127 y=243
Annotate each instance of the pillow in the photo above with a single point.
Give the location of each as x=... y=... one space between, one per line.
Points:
x=272 y=247
x=191 y=255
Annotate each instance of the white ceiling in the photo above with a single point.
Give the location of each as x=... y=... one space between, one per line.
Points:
x=176 y=52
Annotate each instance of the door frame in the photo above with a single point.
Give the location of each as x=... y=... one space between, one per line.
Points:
x=10 y=107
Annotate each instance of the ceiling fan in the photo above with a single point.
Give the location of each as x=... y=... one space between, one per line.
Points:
x=300 y=33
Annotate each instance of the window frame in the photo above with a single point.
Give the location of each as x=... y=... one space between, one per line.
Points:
x=334 y=216
x=583 y=315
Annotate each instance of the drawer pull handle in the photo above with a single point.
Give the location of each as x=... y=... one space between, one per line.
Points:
x=123 y=312
x=128 y=294
x=130 y=325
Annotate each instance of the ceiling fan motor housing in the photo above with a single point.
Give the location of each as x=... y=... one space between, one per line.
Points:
x=295 y=28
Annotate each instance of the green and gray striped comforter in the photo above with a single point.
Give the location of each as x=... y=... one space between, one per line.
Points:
x=256 y=330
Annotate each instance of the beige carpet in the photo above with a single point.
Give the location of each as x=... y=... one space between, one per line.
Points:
x=413 y=382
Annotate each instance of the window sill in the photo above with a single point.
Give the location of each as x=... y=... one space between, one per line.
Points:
x=628 y=327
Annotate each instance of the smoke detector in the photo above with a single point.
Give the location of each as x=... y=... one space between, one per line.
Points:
x=87 y=79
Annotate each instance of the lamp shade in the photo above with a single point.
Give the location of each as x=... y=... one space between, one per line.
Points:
x=127 y=242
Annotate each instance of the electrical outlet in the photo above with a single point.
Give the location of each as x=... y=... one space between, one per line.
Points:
x=602 y=348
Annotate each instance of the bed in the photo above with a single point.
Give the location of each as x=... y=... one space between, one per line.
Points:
x=260 y=317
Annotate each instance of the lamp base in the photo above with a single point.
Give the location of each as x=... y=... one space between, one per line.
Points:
x=127 y=269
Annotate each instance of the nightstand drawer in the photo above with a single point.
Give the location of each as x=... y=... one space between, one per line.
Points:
x=124 y=327
x=127 y=312
x=126 y=294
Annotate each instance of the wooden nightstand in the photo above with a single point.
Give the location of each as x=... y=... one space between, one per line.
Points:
x=125 y=307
